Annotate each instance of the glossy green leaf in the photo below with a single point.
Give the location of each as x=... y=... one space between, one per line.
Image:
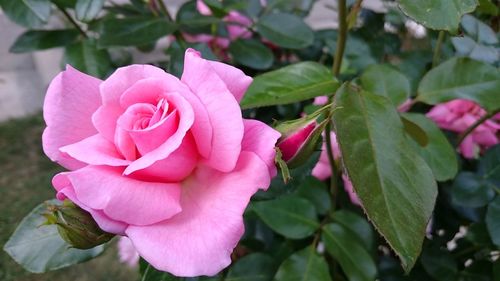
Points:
x=471 y=190
x=133 y=31
x=462 y=78
x=304 y=265
x=358 y=226
x=439 y=264
x=33 y=40
x=438 y=153
x=39 y=248
x=285 y=30
x=251 y=53
x=355 y=261
x=254 y=267
x=87 y=10
x=28 y=13
x=85 y=57
x=493 y=220
x=316 y=192
x=290 y=216
x=437 y=14
x=293 y=83
x=396 y=187
x=386 y=81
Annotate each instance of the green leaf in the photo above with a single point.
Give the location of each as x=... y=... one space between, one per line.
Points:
x=290 y=216
x=133 y=31
x=87 y=10
x=386 y=81
x=438 y=14
x=251 y=53
x=39 y=248
x=28 y=13
x=254 y=267
x=488 y=8
x=415 y=132
x=290 y=84
x=149 y=273
x=285 y=30
x=439 y=264
x=493 y=220
x=396 y=187
x=478 y=30
x=471 y=190
x=316 y=192
x=462 y=78
x=438 y=153
x=465 y=46
x=358 y=226
x=85 y=57
x=489 y=164
x=33 y=40
x=304 y=265
x=355 y=261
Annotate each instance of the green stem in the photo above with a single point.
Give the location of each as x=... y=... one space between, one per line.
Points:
x=437 y=49
x=72 y=21
x=341 y=40
x=475 y=125
x=337 y=63
x=164 y=9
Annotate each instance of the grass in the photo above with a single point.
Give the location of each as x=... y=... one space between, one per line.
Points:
x=25 y=175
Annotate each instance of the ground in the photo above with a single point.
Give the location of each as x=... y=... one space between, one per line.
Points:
x=25 y=174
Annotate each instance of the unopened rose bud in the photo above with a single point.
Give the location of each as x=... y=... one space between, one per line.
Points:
x=299 y=138
x=76 y=226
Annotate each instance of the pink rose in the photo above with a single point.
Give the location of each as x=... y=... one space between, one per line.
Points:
x=237 y=27
x=322 y=169
x=458 y=115
x=127 y=253
x=169 y=163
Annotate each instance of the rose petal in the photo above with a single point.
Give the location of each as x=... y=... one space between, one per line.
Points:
x=125 y=199
x=236 y=81
x=203 y=8
x=261 y=139
x=123 y=78
x=71 y=99
x=176 y=167
x=238 y=25
x=104 y=120
x=65 y=190
x=95 y=150
x=186 y=119
x=223 y=111
x=200 y=239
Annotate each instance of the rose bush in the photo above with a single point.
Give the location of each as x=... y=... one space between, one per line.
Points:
x=169 y=163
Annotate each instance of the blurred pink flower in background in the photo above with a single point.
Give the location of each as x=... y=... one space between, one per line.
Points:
x=237 y=27
x=458 y=115
x=127 y=252
x=322 y=169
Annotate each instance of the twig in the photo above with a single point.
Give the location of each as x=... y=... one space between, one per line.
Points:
x=72 y=21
